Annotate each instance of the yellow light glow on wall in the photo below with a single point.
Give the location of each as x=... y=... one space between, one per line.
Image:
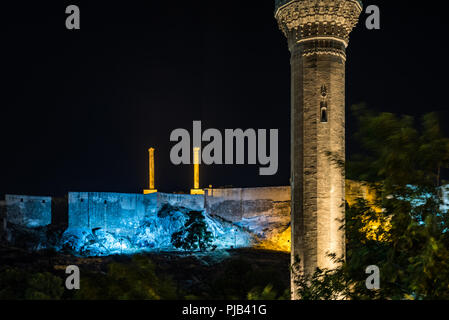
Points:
x=279 y=242
x=376 y=226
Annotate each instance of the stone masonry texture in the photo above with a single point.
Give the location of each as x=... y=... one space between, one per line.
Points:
x=317 y=32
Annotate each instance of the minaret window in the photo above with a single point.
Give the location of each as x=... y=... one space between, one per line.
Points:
x=323 y=116
x=323 y=104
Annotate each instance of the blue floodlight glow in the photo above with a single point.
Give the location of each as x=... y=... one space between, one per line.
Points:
x=153 y=233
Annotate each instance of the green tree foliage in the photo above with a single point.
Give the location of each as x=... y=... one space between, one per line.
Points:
x=241 y=280
x=136 y=280
x=266 y=293
x=402 y=161
x=398 y=150
x=17 y=284
x=194 y=235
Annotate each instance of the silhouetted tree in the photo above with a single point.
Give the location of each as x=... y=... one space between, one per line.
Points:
x=402 y=160
x=194 y=235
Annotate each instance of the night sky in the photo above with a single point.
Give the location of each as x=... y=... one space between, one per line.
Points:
x=79 y=109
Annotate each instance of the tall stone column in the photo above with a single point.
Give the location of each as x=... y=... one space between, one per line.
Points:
x=151 y=151
x=196 y=168
x=151 y=172
x=317 y=32
x=196 y=172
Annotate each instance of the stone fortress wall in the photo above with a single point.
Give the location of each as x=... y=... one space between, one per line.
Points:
x=122 y=212
x=264 y=211
x=235 y=204
x=28 y=211
x=3 y=235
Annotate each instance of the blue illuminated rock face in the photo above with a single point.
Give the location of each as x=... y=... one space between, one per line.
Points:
x=117 y=223
x=114 y=223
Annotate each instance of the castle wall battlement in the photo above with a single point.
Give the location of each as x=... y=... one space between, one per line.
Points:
x=28 y=211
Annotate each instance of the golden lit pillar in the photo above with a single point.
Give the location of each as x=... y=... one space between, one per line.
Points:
x=151 y=172
x=196 y=172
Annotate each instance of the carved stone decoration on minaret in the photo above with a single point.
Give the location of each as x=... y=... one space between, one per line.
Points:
x=318 y=33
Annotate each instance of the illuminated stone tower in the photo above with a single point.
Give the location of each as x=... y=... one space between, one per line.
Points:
x=317 y=32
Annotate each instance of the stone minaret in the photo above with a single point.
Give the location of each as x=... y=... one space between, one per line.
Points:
x=317 y=32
